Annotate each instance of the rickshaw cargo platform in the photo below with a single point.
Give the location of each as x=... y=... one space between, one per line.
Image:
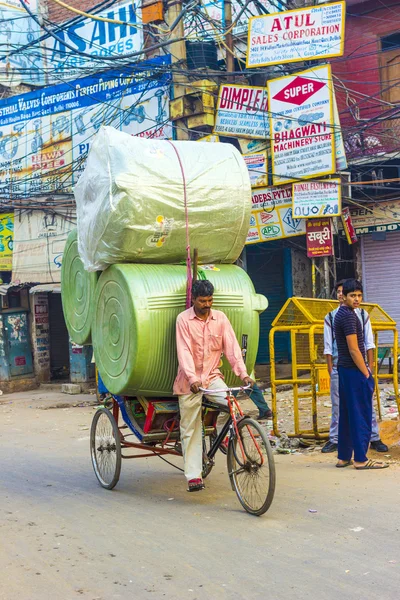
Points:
x=133 y=330
x=139 y=200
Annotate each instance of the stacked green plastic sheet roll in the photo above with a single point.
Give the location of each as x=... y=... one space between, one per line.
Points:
x=136 y=196
x=134 y=323
x=77 y=292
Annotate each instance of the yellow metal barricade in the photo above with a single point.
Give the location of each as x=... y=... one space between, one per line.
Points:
x=303 y=320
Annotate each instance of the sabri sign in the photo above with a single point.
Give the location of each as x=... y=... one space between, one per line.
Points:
x=311 y=33
x=302 y=125
x=242 y=110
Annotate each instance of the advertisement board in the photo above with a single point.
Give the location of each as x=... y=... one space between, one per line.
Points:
x=18 y=29
x=215 y=20
x=302 y=125
x=45 y=135
x=315 y=199
x=39 y=242
x=257 y=164
x=96 y=38
x=271 y=216
x=381 y=216
x=319 y=238
x=348 y=227
x=312 y=33
x=6 y=241
x=242 y=110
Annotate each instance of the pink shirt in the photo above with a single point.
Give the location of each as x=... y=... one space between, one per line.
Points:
x=200 y=344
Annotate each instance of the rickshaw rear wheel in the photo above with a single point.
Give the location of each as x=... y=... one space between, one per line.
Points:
x=105 y=448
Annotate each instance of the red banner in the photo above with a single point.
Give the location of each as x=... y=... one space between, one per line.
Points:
x=319 y=237
x=348 y=226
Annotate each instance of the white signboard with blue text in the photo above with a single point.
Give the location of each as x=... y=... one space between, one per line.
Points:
x=96 y=38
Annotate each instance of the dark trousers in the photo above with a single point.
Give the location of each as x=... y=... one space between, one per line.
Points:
x=256 y=395
x=355 y=414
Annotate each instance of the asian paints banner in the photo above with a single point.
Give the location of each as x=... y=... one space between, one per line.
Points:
x=302 y=125
x=272 y=217
x=96 y=38
x=6 y=241
x=295 y=35
x=45 y=135
x=242 y=110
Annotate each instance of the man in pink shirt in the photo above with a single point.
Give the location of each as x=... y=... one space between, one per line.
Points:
x=202 y=335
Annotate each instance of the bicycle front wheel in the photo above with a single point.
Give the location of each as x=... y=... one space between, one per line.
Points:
x=251 y=467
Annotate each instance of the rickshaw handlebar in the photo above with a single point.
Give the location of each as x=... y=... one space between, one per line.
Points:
x=233 y=389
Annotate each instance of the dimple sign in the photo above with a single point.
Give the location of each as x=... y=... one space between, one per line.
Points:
x=299 y=90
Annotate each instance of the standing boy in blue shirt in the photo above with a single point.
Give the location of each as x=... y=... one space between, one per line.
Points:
x=356 y=384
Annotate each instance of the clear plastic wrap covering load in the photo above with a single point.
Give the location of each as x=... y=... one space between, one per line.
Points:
x=133 y=329
x=77 y=293
x=131 y=208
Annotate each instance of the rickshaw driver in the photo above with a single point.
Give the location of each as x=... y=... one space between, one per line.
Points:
x=202 y=335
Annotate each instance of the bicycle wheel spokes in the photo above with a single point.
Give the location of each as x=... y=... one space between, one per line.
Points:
x=253 y=476
x=105 y=448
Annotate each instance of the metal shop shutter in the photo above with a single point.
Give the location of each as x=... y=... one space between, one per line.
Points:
x=381 y=274
x=265 y=267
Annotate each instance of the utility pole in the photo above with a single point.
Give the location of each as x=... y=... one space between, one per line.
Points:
x=230 y=58
x=178 y=57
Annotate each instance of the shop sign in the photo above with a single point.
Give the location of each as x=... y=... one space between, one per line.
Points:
x=316 y=199
x=257 y=165
x=242 y=110
x=6 y=241
x=348 y=226
x=45 y=135
x=340 y=153
x=96 y=38
x=19 y=30
x=312 y=33
x=319 y=237
x=302 y=125
x=271 y=216
x=39 y=242
x=381 y=216
x=251 y=146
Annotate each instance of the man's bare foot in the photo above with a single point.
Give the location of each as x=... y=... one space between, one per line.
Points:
x=343 y=463
x=370 y=464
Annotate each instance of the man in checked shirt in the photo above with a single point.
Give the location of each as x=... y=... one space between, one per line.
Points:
x=202 y=335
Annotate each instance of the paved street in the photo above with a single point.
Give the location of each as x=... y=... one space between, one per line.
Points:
x=63 y=537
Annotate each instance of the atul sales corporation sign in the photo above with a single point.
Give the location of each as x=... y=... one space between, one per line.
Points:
x=311 y=33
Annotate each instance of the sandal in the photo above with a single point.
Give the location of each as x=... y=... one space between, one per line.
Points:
x=345 y=464
x=195 y=485
x=373 y=464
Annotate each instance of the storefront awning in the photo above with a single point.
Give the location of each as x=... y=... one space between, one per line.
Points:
x=46 y=287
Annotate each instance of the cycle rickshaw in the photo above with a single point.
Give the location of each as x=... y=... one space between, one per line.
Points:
x=155 y=423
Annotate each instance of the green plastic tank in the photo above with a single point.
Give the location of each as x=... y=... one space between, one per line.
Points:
x=133 y=329
x=77 y=292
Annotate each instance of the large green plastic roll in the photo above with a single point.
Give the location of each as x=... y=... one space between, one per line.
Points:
x=77 y=292
x=134 y=323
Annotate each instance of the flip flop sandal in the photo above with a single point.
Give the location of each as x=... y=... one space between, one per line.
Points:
x=346 y=464
x=373 y=464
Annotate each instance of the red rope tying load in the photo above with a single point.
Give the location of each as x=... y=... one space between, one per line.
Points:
x=188 y=258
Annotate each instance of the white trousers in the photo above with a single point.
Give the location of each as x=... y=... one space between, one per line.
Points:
x=191 y=427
